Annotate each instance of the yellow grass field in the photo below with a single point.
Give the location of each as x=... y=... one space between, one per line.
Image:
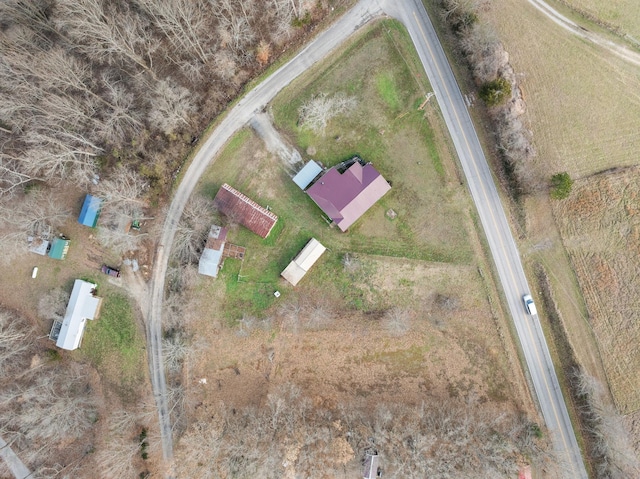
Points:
x=583 y=104
x=622 y=15
x=600 y=225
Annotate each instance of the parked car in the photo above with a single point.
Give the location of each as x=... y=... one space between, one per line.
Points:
x=529 y=304
x=110 y=271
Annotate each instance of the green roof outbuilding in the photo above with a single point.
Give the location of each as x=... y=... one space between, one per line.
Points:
x=59 y=248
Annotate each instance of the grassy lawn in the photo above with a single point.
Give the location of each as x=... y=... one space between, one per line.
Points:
x=114 y=344
x=380 y=69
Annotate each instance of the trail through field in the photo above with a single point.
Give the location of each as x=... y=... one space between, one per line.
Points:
x=618 y=50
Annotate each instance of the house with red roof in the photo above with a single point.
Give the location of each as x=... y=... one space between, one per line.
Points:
x=346 y=193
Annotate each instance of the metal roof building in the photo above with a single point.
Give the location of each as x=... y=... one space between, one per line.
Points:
x=82 y=305
x=59 y=248
x=307 y=174
x=244 y=210
x=371 y=467
x=346 y=196
x=90 y=211
x=211 y=258
x=302 y=263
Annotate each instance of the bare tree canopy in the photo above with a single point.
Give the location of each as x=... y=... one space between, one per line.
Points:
x=316 y=112
x=290 y=438
x=88 y=83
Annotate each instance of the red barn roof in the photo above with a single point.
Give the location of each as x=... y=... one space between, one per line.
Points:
x=345 y=197
x=244 y=210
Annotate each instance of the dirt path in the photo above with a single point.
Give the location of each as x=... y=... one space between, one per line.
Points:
x=618 y=50
x=263 y=126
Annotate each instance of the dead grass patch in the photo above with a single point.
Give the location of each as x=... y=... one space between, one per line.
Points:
x=600 y=226
x=451 y=349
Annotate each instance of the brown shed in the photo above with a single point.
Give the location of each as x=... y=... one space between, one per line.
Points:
x=242 y=209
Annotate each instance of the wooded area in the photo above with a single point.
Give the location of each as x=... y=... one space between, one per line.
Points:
x=90 y=87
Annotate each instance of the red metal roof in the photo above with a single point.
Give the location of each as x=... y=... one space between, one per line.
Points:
x=244 y=210
x=345 y=197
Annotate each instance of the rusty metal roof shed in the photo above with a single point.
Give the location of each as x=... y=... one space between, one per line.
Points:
x=244 y=210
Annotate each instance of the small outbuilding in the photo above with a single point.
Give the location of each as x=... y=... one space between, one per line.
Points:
x=371 y=468
x=345 y=192
x=59 y=247
x=302 y=263
x=243 y=210
x=90 y=211
x=211 y=259
x=307 y=174
x=83 y=305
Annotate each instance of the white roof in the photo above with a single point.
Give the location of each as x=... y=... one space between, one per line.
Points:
x=211 y=257
x=82 y=305
x=302 y=263
x=307 y=174
x=209 y=262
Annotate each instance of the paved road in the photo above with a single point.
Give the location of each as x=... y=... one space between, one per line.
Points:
x=504 y=251
x=13 y=462
x=497 y=230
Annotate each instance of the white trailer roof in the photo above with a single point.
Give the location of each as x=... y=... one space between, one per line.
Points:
x=82 y=305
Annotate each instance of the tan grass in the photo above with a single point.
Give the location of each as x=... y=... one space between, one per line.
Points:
x=600 y=225
x=583 y=105
x=622 y=15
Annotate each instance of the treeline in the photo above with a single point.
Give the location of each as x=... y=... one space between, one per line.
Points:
x=498 y=87
x=290 y=437
x=92 y=81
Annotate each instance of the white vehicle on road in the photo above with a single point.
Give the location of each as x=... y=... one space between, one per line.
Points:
x=529 y=304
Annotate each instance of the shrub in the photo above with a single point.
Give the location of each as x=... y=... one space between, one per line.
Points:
x=561 y=184
x=495 y=92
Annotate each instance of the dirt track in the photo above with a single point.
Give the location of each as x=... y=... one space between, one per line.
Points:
x=559 y=19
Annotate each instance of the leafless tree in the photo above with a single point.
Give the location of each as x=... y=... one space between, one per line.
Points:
x=34 y=214
x=610 y=442
x=123 y=189
x=50 y=407
x=234 y=23
x=14 y=341
x=105 y=33
x=351 y=262
x=116 y=459
x=53 y=304
x=183 y=22
x=316 y=112
x=172 y=106
x=397 y=321
x=192 y=230
x=175 y=350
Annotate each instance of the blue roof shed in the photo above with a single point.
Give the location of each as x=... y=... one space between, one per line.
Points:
x=90 y=211
x=307 y=174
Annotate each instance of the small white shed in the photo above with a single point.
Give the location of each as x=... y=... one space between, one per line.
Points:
x=302 y=263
